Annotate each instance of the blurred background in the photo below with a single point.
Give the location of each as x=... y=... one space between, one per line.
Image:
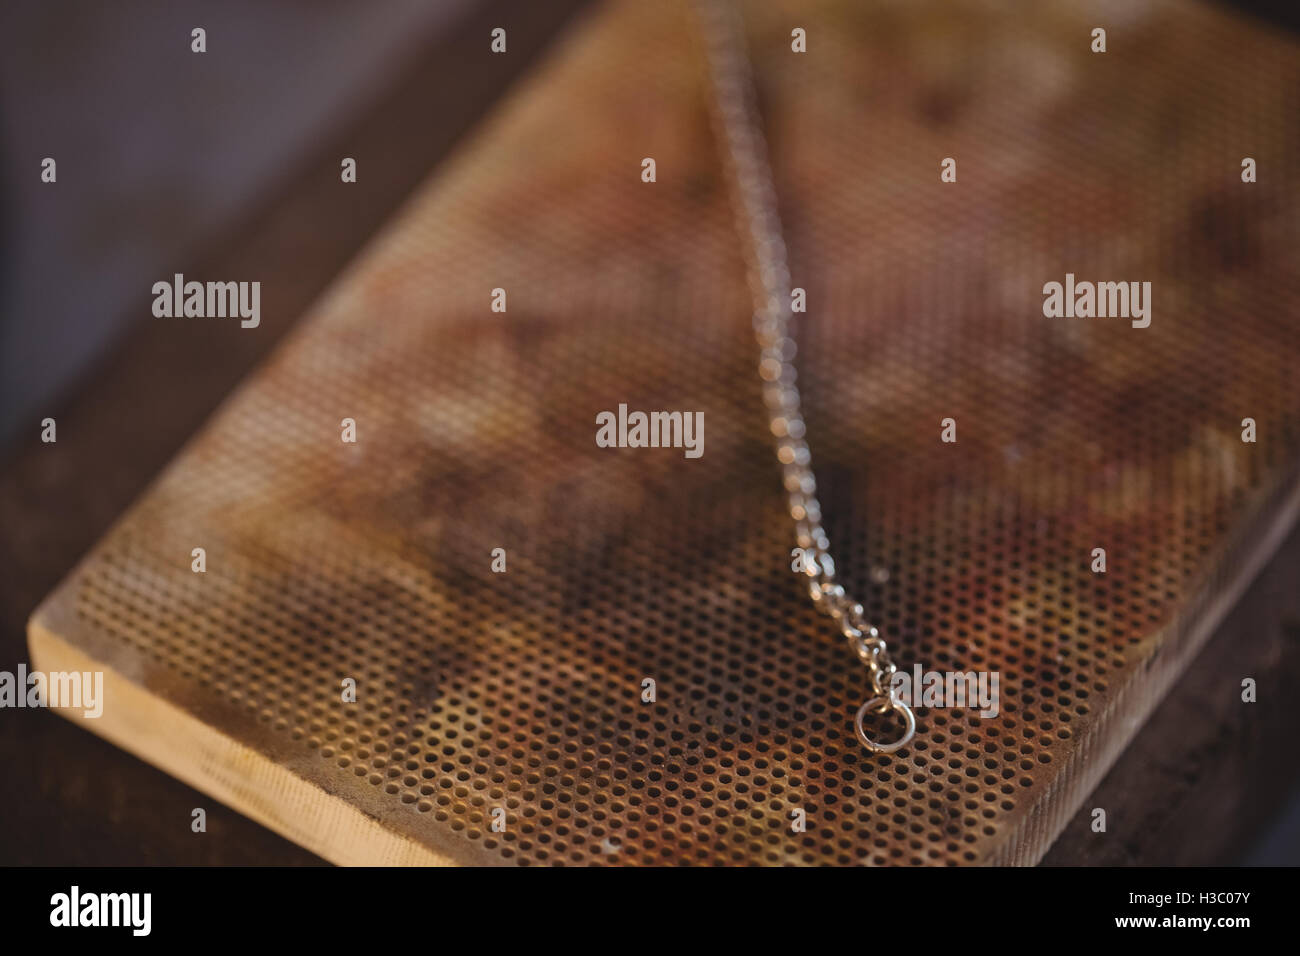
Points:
x=168 y=160
x=159 y=150
x=162 y=154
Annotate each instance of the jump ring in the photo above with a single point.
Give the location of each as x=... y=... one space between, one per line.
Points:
x=885 y=704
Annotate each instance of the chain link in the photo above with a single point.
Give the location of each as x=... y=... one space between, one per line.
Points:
x=739 y=127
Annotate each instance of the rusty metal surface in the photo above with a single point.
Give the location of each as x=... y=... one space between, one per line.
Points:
x=476 y=431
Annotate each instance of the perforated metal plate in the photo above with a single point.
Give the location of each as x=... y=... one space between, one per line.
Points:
x=476 y=430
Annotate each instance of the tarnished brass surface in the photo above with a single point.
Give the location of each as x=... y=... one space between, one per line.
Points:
x=522 y=690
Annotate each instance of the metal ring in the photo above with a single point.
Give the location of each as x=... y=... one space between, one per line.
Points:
x=885 y=704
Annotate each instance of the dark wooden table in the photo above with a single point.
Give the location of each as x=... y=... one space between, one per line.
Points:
x=1199 y=785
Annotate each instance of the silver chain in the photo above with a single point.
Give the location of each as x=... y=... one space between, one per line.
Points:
x=739 y=127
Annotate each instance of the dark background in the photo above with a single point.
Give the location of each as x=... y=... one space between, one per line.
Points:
x=226 y=164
